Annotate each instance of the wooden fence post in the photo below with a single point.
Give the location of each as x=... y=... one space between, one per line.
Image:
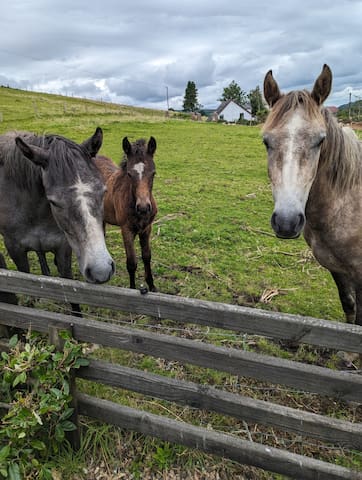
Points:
x=73 y=436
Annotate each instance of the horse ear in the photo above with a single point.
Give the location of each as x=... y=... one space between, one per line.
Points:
x=127 y=147
x=152 y=145
x=37 y=155
x=94 y=143
x=323 y=85
x=271 y=89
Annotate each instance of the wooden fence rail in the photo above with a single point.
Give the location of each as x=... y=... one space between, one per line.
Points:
x=329 y=430
x=309 y=378
x=297 y=328
x=242 y=451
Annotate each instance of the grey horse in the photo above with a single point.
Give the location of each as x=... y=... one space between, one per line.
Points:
x=51 y=200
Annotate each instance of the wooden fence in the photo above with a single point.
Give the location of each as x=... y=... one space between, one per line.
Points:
x=309 y=378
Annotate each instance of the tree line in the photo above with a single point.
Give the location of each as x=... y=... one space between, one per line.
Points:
x=252 y=101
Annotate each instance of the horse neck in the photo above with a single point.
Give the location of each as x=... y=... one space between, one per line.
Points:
x=341 y=157
x=339 y=171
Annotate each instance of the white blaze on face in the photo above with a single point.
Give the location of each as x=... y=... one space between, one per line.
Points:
x=139 y=168
x=82 y=190
x=291 y=190
x=93 y=253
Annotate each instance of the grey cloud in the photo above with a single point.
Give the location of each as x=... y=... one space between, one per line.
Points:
x=130 y=51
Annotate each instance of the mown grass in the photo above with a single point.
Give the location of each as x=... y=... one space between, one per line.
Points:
x=211 y=240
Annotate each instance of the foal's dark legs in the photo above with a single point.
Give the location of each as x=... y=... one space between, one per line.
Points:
x=128 y=240
x=146 y=257
x=347 y=296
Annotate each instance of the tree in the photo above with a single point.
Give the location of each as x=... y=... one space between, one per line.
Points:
x=258 y=109
x=191 y=103
x=234 y=92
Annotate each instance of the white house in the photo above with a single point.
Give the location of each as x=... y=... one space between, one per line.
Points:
x=230 y=111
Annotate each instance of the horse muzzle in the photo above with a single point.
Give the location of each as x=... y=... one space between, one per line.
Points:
x=287 y=226
x=143 y=208
x=99 y=273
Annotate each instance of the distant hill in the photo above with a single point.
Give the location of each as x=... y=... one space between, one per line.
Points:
x=23 y=109
x=350 y=112
x=354 y=105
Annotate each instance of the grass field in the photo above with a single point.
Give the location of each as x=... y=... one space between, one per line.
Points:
x=212 y=240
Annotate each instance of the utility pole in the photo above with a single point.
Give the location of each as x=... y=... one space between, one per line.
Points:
x=359 y=99
x=349 y=106
x=167 y=98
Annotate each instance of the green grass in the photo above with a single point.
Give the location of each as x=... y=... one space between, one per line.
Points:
x=211 y=240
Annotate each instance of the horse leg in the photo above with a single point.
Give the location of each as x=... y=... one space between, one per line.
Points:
x=354 y=357
x=19 y=257
x=351 y=300
x=359 y=304
x=146 y=257
x=6 y=297
x=63 y=262
x=43 y=264
x=128 y=240
x=347 y=296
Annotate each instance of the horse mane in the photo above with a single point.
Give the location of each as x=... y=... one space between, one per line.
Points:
x=341 y=152
x=65 y=156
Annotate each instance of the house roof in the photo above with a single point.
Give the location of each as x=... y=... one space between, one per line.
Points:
x=332 y=109
x=225 y=103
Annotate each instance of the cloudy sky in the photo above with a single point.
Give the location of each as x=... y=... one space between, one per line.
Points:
x=134 y=52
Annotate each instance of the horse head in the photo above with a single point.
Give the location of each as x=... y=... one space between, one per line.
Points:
x=141 y=171
x=293 y=134
x=74 y=189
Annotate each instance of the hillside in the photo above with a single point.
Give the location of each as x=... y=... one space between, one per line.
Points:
x=40 y=107
x=353 y=110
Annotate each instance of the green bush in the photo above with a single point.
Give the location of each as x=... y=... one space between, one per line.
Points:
x=35 y=382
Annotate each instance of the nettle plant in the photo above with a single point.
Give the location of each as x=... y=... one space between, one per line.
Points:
x=35 y=383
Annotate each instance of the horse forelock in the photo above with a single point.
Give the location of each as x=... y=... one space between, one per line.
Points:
x=287 y=103
x=67 y=159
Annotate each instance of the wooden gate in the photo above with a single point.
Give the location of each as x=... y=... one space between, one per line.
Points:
x=341 y=385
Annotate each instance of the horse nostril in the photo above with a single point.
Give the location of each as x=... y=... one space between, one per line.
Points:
x=273 y=221
x=88 y=274
x=300 y=222
x=143 y=208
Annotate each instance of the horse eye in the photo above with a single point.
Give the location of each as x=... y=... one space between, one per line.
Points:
x=54 y=204
x=320 y=140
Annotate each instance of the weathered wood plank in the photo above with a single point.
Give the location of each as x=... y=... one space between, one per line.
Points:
x=239 y=450
x=327 y=429
x=231 y=317
x=342 y=385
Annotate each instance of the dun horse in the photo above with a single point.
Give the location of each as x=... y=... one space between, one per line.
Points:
x=129 y=202
x=51 y=200
x=315 y=168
